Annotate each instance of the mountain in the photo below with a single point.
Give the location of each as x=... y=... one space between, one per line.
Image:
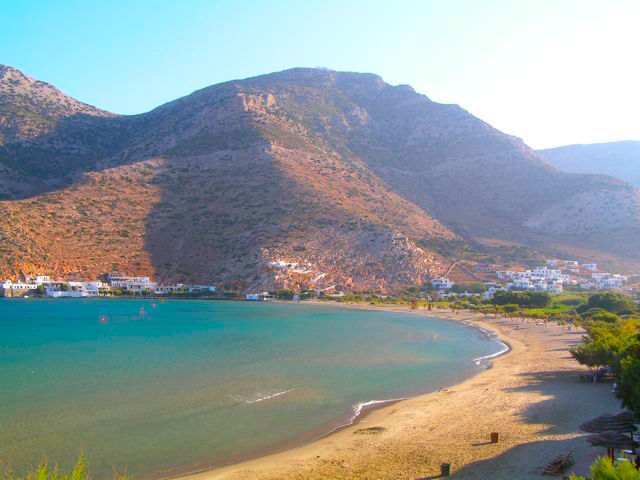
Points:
x=307 y=177
x=618 y=159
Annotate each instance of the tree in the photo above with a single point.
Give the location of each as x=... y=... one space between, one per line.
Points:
x=510 y=308
x=604 y=316
x=628 y=390
x=612 y=302
x=606 y=344
x=475 y=287
x=603 y=469
x=522 y=299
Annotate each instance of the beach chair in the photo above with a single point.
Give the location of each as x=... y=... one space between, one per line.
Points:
x=559 y=465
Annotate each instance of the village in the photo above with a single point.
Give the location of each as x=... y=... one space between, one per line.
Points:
x=555 y=277
x=115 y=284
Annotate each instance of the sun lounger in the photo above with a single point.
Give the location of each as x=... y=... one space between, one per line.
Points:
x=559 y=465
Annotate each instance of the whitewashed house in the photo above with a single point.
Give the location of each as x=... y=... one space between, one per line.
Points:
x=131 y=284
x=202 y=289
x=259 y=297
x=520 y=284
x=442 y=283
x=169 y=289
x=491 y=291
x=41 y=279
x=55 y=290
x=11 y=289
x=546 y=273
x=555 y=288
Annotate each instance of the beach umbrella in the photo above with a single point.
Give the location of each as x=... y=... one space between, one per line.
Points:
x=628 y=416
x=611 y=441
x=608 y=423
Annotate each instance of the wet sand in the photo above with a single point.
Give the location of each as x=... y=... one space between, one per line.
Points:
x=532 y=397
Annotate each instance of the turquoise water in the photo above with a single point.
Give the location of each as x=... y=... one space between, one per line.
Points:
x=160 y=388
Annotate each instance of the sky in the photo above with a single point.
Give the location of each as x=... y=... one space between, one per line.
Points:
x=553 y=72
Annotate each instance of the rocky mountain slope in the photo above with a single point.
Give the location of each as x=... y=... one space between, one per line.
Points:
x=306 y=177
x=618 y=159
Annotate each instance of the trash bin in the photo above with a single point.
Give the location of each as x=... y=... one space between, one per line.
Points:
x=445 y=469
x=494 y=437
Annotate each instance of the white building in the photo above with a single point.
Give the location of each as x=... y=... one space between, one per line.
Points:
x=597 y=276
x=169 y=289
x=11 y=289
x=520 y=284
x=442 y=283
x=610 y=281
x=259 y=297
x=202 y=289
x=131 y=284
x=56 y=291
x=491 y=291
x=503 y=274
x=546 y=273
x=590 y=266
x=554 y=288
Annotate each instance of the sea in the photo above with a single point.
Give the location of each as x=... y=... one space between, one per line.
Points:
x=160 y=388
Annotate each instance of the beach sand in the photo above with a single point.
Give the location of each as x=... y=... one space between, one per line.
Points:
x=532 y=397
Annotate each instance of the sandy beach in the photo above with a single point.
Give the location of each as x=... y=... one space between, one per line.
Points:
x=532 y=397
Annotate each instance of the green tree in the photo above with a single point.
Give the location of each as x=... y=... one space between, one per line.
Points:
x=475 y=287
x=523 y=299
x=606 y=344
x=612 y=302
x=603 y=316
x=510 y=308
x=603 y=469
x=628 y=390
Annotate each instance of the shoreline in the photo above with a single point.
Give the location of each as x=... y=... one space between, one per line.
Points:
x=454 y=423
x=528 y=397
x=360 y=410
x=265 y=466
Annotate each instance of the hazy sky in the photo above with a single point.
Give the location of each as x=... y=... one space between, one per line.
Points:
x=552 y=72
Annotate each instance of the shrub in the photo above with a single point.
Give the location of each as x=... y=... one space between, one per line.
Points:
x=603 y=469
x=612 y=302
x=522 y=299
x=79 y=471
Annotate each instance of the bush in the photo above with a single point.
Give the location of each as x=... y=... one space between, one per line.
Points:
x=469 y=287
x=604 y=317
x=612 y=302
x=522 y=299
x=510 y=308
x=629 y=379
x=79 y=471
x=603 y=469
x=606 y=344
